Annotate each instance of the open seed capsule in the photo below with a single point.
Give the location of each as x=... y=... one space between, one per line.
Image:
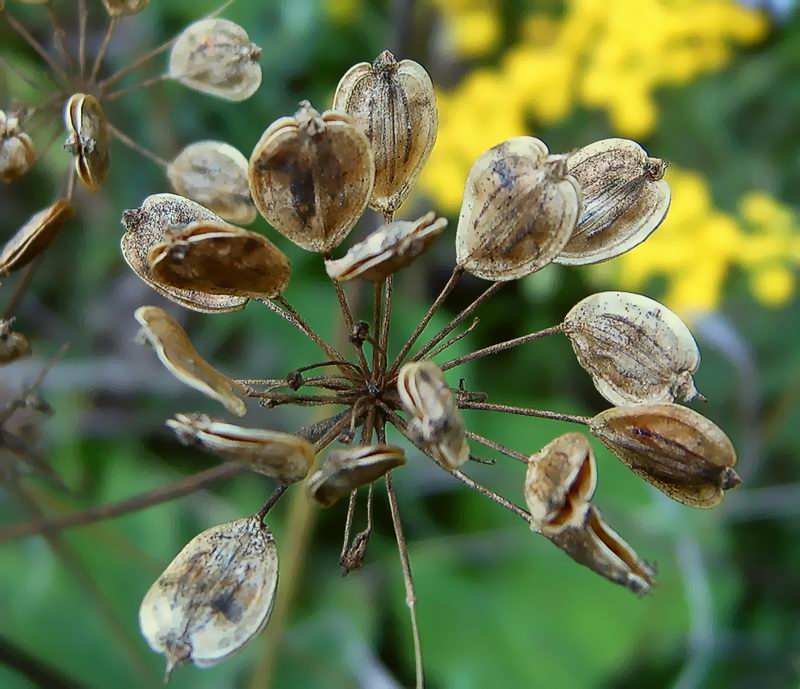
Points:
x=518 y=213
x=124 y=8
x=88 y=139
x=13 y=345
x=214 y=597
x=35 y=236
x=181 y=359
x=635 y=349
x=16 y=149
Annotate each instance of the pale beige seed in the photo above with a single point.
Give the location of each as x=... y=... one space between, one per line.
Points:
x=124 y=8
x=13 y=345
x=88 y=139
x=311 y=177
x=636 y=350
x=395 y=104
x=625 y=198
x=181 y=359
x=35 y=236
x=17 y=154
x=214 y=597
x=518 y=212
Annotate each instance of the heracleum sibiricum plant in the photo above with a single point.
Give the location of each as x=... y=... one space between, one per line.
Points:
x=312 y=176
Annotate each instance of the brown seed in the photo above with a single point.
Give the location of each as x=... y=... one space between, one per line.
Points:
x=680 y=452
x=395 y=104
x=88 y=140
x=35 y=236
x=16 y=149
x=13 y=345
x=124 y=8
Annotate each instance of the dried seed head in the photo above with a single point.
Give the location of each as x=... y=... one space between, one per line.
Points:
x=13 y=345
x=215 y=175
x=217 y=258
x=181 y=359
x=216 y=57
x=559 y=483
x=344 y=470
x=286 y=458
x=680 y=452
x=35 y=236
x=436 y=419
x=16 y=149
x=311 y=177
x=124 y=8
x=395 y=104
x=88 y=139
x=149 y=225
x=387 y=250
x=624 y=200
x=214 y=597
x=518 y=213
x=635 y=349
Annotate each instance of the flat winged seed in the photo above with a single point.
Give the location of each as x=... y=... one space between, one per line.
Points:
x=387 y=250
x=636 y=350
x=16 y=149
x=13 y=345
x=149 y=225
x=560 y=480
x=124 y=8
x=214 y=174
x=35 y=236
x=214 y=597
x=680 y=452
x=181 y=359
x=88 y=139
x=311 y=177
x=395 y=104
x=625 y=198
x=518 y=213
x=344 y=470
x=215 y=57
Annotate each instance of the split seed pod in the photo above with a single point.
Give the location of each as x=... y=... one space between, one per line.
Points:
x=518 y=213
x=88 y=140
x=215 y=175
x=216 y=57
x=680 y=452
x=35 y=236
x=395 y=104
x=16 y=149
x=214 y=597
x=436 y=418
x=284 y=457
x=635 y=349
x=346 y=469
x=13 y=345
x=624 y=200
x=181 y=359
x=311 y=177
x=387 y=250
x=124 y=8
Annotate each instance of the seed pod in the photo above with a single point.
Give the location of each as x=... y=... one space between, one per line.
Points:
x=281 y=456
x=311 y=177
x=436 y=419
x=124 y=8
x=560 y=481
x=346 y=469
x=216 y=57
x=181 y=359
x=217 y=258
x=680 y=452
x=595 y=545
x=387 y=250
x=215 y=175
x=149 y=225
x=518 y=213
x=395 y=104
x=13 y=345
x=635 y=349
x=88 y=140
x=214 y=597
x=16 y=149
x=624 y=200
x=35 y=236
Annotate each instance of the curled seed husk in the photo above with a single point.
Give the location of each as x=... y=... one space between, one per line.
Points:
x=436 y=419
x=387 y=250
x=281 y=456
x=149 y=225
x=13 y=345
x=560 y=481
x=395 y=104
x=88 y=139
x=636 y=350
x=35 y=236
x=518 y=213
x=124 y=8
x=214 y=597
x=214 y=174
x=181 y=359
x=624 y=200
x=346 y=469
x=595 y=545
x=217 y=258
x=16 y=149
x=680 y=452
x=216 y=57
x=311 y=176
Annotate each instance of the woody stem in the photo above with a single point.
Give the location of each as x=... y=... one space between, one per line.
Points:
x=525 y=411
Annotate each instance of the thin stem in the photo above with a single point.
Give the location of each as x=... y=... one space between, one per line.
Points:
x=101 y=52
x=59 y=34
x=383 y=336
x=22 y=398
x=308 y=330
x=147 y=83
x=502 y=449
x=348 y=527
x=377 y=309
x=71 y=175
x=524 y=411
x=20 y=288
x=33 y=43
x=456 y=338
x=13 y=69
x=37 y=671
x=278 y=398
x=141 y=150
x=270 y=503
x=83 y=17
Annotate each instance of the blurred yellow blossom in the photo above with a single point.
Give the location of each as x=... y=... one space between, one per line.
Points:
x=342 y=11
x=472 y=28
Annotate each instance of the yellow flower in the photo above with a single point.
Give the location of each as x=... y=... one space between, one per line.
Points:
x=773 y=285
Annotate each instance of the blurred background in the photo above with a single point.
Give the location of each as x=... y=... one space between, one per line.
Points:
x=709 y=85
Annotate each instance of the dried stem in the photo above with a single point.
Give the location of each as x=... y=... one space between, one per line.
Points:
x=59 y=35
x=502 y=449
x=33 y=43
x=141 y=150
x=101 y=52
x=304 y=327
x=449 y=343
x=83 y=18
x=383 y=335
x=279 y=398
x=524 y=411
x=147 y=83
x=270 y=503
x=376 y=328
x=20 y=287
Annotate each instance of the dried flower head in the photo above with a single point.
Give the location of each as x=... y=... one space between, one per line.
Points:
x=16 y=149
